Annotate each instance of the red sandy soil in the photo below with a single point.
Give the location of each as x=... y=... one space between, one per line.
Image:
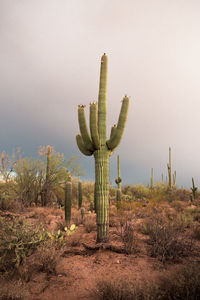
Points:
x=78 y=267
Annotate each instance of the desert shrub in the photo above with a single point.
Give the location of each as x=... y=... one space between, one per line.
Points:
x=195 y=213
x=17 y=241
x=119 y=290
x=12 y=290
x=138 y=191
x=181 y=283
x=47 y=258
x=196 y=231
x=178 y=205
x=167 y=238
x=126 y=230
x=90 y=224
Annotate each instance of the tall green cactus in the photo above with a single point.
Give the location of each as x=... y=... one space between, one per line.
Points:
x=118 y=180
x=97 y=144
x=169 y=166
x=45 y=193
x=194 y=189
x=68 y=202
x=80 y=194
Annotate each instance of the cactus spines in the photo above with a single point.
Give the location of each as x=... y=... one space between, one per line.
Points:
x=194 y=189
x=68 y=196
x=169 y=166
x=97 y=144
x=152 y=179
x=80 y=194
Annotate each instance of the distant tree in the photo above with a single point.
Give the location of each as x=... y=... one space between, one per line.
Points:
x=29 y=175
x=7 y=164
x=56 y=174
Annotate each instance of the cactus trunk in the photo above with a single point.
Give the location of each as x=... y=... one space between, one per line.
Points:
x=102 y=194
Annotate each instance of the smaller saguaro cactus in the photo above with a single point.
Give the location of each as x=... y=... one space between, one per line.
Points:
x=162 y=178
x=194 y=189
x=68 y=202
x=80 y=194
x=83 y=214
x=152 y=179
x=174 y=178
x=118 y=180
x=169 y=166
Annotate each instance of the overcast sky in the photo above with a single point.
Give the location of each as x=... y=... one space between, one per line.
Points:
x=50 y=54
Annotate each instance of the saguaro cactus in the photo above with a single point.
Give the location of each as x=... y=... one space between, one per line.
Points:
x=44 y=193
x=169 y=166
x=97 y=144
x=68 y=203
x=194 y=189
x=118 y=180
x=80 y=194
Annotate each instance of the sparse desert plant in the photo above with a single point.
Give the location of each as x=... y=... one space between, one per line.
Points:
x=46 y=256
x=167 y=238
x=14 y=290
x=181 y=283
x=126 y=230
x=89 y=223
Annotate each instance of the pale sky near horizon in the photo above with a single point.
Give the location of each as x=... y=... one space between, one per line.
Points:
x=50 y=54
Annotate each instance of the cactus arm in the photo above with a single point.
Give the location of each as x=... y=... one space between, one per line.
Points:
x=113 y=130
x=83 y=128
x=93 y=126
x=102 y=100
x=114 y=141
x=81 y=146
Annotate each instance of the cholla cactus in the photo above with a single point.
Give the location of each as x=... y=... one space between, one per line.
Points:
x=97 y=144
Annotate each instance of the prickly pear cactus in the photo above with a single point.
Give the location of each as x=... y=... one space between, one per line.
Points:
x=96 y=143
